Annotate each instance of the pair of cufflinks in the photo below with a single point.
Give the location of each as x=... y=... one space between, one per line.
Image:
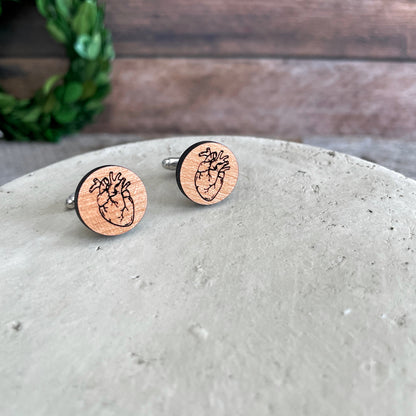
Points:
x=111 y=200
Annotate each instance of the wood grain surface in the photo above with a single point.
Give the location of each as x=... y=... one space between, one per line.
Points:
x=110 y=200
x=365 y=29
x=286 y=98
x=213 y=67
x=207 y=172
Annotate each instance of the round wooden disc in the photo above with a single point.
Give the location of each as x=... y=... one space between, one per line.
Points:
x=207 y=172
x=110 y=200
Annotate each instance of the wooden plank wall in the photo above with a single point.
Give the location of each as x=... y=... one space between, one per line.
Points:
x=288 y=68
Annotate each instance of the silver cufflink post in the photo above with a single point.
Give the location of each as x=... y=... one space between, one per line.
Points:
x=70 y=202
x=170 y=163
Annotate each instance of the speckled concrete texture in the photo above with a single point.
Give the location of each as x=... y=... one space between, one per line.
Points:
x=295 y=296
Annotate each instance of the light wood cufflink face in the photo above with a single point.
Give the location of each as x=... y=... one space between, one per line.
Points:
x=110 y=200
x=207 y=172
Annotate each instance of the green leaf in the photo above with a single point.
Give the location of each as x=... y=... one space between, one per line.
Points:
x=6 y=110
x=55 y=31
x=94 y=47
x=93 y=105
x=84 y=20
x=22 y=103
x=52 y=135
x=6 y=100
x=50 y=82
x=63 y=7
x=66 y=102
x=81 y=45
x=91 y=69
x=102 y=79
x=32 y=115
x=44 y=121
x=102 y=91
x=66 y=115
x=89 y=89
x=49 y=104
x=15 y=134
x=88 y=47
x=73 y=92
x=42 y=7
x=59 y=92
x=109 y=51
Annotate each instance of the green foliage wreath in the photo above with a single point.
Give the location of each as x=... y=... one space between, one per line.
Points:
x=66 y=102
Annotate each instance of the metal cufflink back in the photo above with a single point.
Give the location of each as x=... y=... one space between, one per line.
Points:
x=109 y=200
x=206 y=172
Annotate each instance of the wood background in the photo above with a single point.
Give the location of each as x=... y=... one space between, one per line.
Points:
x=275 y=68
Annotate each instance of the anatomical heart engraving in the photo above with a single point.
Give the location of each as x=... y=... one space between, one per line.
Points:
x=209 y=177
x=114 y=201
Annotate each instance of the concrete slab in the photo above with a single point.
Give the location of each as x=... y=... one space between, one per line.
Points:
x=294 y=296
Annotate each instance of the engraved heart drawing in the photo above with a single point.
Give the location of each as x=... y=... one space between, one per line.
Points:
x=114 y=201
x=209 y=177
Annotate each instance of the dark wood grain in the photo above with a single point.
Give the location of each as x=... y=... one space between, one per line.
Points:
x=22 y=77
x=268 y=97
x=359 y=29
x=23 y=32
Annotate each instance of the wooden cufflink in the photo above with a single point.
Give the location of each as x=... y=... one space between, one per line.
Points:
x=206 y=173
x=109 y=200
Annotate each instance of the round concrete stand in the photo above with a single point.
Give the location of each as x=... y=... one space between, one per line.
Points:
x=294 y=296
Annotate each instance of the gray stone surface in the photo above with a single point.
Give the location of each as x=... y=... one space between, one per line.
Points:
x=295 y=296
x=396 y=154
x=17 y=159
